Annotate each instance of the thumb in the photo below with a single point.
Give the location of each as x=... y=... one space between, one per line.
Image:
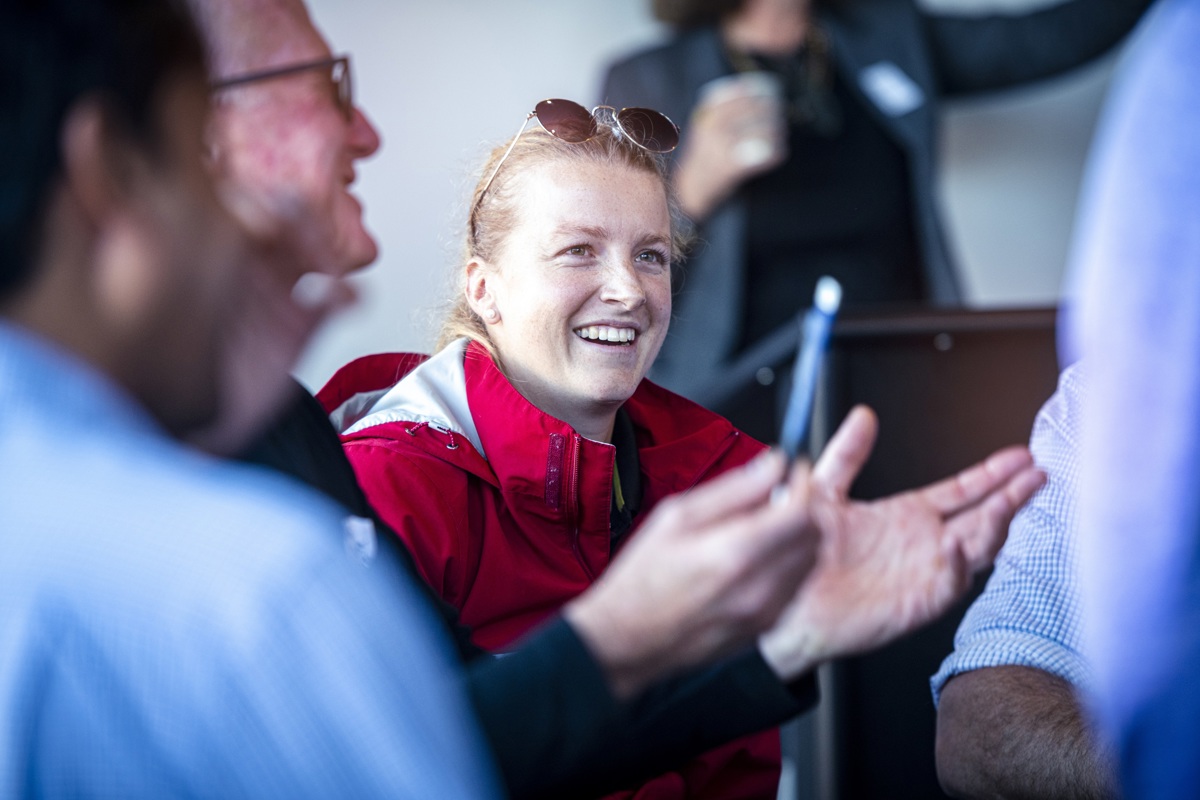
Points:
x=848 y=450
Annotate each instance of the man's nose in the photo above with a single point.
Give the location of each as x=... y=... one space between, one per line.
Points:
x=364 y=138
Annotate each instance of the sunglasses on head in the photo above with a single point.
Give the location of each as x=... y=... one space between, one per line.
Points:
x=339 y=74
x=571 y=122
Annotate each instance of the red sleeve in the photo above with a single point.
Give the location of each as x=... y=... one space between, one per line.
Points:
x=424 y=501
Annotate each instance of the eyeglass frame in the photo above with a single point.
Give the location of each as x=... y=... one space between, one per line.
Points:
x=614 y=115
x=341 y=79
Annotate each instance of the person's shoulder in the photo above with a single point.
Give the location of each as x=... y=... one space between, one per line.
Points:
x=665 y=418
x=165 y=498
x=1058 y=424
x=872 y=15
x=365 y=375
x=667 y=51
x=413 y=459
x=651 y=401
x=244 y=489
x=150 y=536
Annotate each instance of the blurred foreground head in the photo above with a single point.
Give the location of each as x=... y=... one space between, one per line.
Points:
x=112 y=241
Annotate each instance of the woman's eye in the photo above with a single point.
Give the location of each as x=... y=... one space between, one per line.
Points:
x=652 y=257
x=577 y=250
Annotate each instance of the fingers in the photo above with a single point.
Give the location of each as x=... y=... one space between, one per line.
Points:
x=771 y=549
x=734 y=492
x=980 y=532
x=737 y=111
x=736 y=562
x=974 y=483
x=846 y=453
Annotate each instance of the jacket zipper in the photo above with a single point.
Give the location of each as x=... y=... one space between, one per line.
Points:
x=572 y=505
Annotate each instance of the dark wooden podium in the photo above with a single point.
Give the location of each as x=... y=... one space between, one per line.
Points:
x=949 y=387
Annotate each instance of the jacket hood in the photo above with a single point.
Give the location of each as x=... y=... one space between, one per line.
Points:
x=402 y=387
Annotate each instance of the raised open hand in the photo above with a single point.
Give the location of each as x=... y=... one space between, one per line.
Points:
x=889 y=566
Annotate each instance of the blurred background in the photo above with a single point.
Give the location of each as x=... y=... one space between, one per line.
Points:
x=445 y=81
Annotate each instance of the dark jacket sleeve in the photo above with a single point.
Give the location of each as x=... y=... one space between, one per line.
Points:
x=546 y=709
x=557 y=732
x=994 y=51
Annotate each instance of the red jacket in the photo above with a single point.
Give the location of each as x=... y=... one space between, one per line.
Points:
x=507 y=513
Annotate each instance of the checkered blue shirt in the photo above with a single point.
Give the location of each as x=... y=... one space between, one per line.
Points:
x=1029 y=615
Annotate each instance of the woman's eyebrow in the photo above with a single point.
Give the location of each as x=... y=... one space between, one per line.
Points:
x=601 y=232
x=594 y=231
x=657 y=239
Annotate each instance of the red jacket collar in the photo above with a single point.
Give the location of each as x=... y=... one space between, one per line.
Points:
x=678 y=441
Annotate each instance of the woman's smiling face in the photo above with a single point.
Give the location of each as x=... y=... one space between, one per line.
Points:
x=580 y=289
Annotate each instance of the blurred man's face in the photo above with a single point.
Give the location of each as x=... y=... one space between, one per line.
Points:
x=182 y=271
x=285 y=140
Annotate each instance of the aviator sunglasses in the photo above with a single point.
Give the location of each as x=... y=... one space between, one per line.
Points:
x=339 y=74
x=571 y=122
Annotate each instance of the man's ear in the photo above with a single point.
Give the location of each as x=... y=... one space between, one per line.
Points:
x=480 y=294
x=105 y=177
x=92 y=172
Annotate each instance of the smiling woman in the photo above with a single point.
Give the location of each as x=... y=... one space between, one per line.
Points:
x=577 y=300
x=517 y=460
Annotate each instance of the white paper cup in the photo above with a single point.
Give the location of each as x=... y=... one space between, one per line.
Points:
x=758 y=83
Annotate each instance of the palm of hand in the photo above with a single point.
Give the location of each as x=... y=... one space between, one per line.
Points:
x=888 y=566
x=884 y=569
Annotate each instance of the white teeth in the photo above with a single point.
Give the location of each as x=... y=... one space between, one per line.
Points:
x=606 y=333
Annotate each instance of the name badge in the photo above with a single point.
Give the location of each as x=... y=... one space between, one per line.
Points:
x=890 y=89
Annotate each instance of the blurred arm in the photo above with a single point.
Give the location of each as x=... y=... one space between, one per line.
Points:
x=974 y=53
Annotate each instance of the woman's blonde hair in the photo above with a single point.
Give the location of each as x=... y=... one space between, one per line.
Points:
x=494 y=207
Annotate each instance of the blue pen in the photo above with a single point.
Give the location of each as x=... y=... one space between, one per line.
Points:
x=815 y=339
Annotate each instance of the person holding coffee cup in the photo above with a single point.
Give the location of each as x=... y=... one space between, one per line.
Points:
x=809 y=139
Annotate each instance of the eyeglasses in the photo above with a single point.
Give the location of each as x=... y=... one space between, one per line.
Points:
x=571 y=122
x=339 y=75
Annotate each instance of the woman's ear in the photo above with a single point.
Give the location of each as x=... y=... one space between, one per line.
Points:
x=481 y=297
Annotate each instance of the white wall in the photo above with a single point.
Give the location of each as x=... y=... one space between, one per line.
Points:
x=443 y=80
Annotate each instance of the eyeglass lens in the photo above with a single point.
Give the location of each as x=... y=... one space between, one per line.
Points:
x=338 y=71
x=343 y=86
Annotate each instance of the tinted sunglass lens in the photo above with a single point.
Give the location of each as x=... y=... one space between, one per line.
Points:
x=649 y=129
x=568 y=121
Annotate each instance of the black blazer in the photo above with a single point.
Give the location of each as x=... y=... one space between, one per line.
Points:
x=938 y=55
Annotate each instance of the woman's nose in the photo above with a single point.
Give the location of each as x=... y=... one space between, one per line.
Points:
x=621 y=285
